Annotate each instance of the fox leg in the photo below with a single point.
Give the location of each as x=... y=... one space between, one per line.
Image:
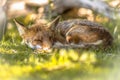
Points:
x=73 y=38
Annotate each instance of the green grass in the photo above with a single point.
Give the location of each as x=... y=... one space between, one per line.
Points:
x=18 y=62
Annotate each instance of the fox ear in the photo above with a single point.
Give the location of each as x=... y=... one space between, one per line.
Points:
x=54 y=23
x=21 y=28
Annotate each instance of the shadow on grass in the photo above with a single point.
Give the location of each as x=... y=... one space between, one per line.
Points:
x=88 y=64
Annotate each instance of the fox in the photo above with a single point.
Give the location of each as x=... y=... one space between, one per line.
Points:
x=74 y=32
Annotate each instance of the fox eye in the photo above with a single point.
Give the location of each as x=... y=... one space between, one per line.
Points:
x=38 y=40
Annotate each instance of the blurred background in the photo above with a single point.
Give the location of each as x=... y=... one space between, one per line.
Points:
x=18 y=62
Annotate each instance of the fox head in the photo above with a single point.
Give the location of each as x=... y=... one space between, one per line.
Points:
x=38 y=36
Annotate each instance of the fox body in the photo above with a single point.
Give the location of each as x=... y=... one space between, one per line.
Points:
x=82 y=32
x=71 y=33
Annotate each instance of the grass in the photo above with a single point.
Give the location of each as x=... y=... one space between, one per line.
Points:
x=18 y=62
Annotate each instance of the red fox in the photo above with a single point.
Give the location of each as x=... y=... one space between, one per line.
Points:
x=73 y=32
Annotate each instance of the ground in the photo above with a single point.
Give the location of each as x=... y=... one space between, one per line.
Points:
x=18 y=62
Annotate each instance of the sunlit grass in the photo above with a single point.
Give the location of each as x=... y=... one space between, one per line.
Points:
x=17 y=61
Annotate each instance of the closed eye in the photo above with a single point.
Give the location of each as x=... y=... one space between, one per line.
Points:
x=38 y=40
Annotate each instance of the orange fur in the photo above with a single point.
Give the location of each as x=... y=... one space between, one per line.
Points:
x=67 y=32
